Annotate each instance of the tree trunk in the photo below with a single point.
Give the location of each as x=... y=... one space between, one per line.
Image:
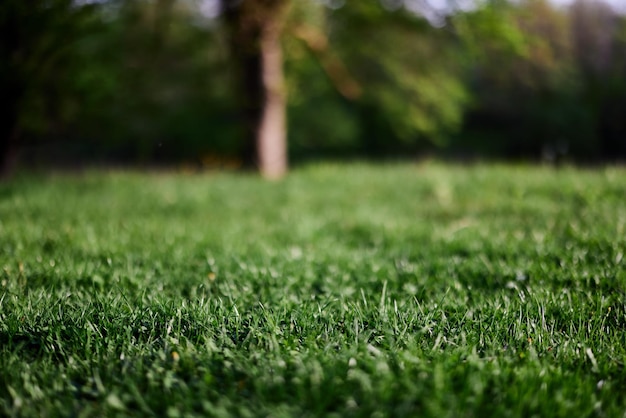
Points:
x=255 y=29
x=272 y=129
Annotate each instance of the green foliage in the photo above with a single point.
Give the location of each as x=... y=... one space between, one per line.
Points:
x=321 y=120
x=38 y=60
x=527 y=63
x=406 y=69
x=413 y=290
x=151 y=81
x=134 y=80
x=167 y=96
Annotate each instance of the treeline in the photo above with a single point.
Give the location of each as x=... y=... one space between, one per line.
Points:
x=155 y=81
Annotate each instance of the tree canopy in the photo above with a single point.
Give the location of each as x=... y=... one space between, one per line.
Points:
x=161 y=81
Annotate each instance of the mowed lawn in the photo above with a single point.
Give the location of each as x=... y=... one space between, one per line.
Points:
x=359 y=290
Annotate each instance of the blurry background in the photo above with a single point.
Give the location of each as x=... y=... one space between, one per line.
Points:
x=154 y=82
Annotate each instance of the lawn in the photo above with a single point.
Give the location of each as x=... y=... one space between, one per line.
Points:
x=344 y=290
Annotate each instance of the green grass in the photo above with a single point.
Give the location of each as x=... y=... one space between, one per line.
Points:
x=408 y=290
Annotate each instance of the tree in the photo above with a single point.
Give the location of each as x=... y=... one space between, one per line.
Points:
x=34 y=49
x=599 y=42
x=255 y=29
x=524 y=81
x=401 y=95
x=412 y=90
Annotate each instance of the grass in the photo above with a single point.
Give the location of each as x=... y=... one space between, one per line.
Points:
x=408 y=290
